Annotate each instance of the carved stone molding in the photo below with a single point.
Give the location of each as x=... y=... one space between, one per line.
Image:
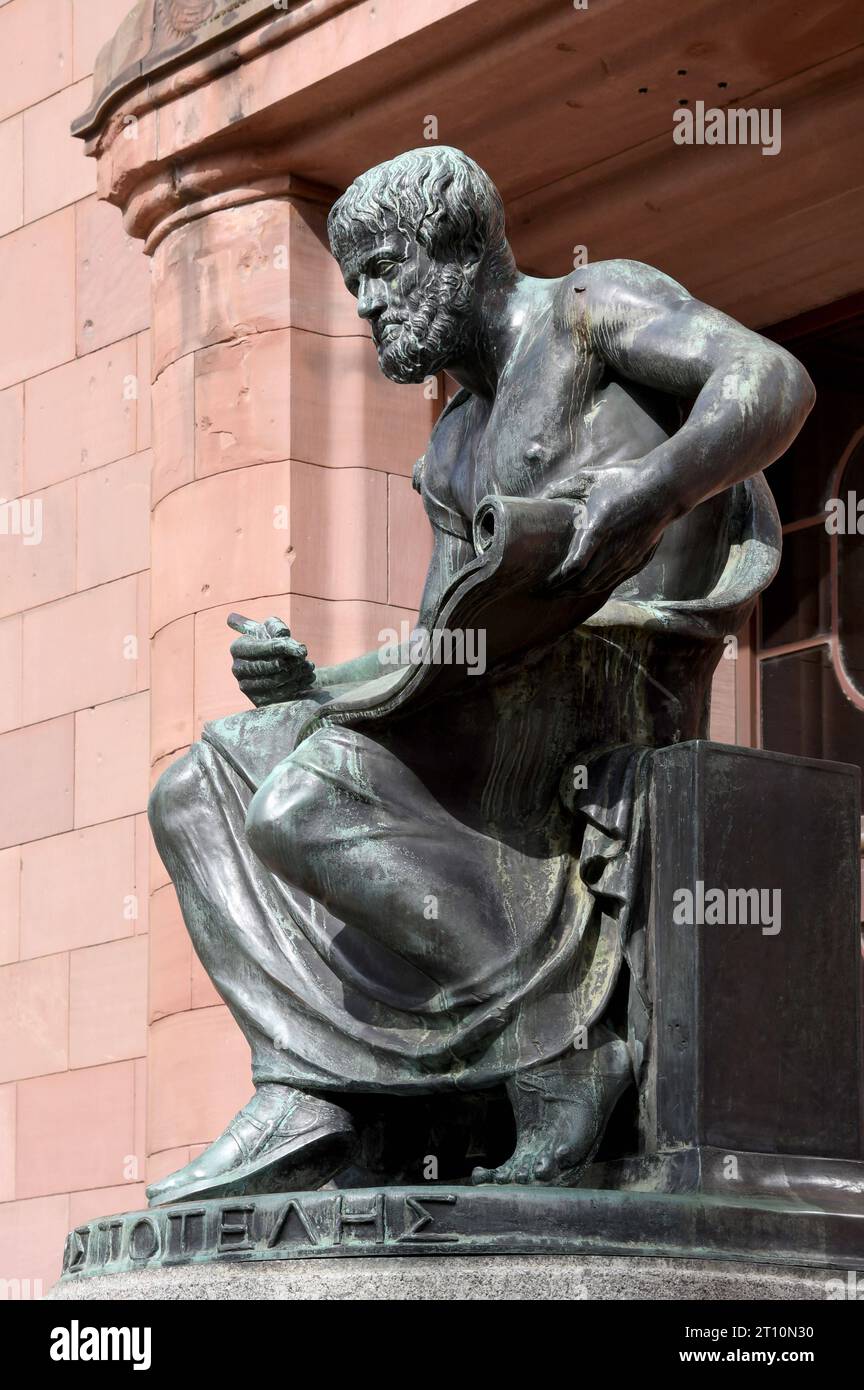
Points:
x=185 y=16
x=171 y=197
x=141 y=128
x=168 y=47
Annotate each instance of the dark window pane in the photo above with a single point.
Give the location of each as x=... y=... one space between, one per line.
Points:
x=804 y=710
x=801 y=479
x=797 y=480
x=850 y=575
x=797 y=605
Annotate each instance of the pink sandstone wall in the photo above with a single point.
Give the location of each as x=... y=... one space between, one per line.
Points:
x=277 y=480
x=275 y=406
x=74 y=436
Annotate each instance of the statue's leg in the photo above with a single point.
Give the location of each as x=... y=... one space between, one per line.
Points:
x=284 y=1138
x=561 y=1112
x=306 y=902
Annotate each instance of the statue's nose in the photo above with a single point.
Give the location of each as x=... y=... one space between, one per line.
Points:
x=370 y=298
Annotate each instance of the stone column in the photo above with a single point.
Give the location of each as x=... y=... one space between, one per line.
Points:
x=281 y=485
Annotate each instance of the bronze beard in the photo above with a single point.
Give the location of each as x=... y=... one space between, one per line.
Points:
x=435 y=331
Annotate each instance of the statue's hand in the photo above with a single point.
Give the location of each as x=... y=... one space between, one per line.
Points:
x=620 y=513
x=269 y=665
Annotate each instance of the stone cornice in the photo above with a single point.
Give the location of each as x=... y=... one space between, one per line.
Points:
x=163 y=51
x=154 y=57
x=191 y=102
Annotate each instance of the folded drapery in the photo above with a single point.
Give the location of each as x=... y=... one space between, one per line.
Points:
x=403 y=885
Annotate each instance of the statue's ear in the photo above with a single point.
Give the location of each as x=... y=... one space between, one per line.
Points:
x=472 y=252
x=434 y=231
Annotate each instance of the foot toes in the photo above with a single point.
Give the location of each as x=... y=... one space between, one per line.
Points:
x=506 y=1173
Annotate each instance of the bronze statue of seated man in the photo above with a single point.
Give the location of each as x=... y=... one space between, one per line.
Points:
x=424 y=879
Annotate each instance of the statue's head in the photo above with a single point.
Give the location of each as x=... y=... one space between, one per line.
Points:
x=411 y=237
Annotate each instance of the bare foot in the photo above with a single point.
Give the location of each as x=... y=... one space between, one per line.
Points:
x=561 y=1113
x=283 y=1140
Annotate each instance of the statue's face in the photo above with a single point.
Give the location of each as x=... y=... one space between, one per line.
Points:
x=417 y=307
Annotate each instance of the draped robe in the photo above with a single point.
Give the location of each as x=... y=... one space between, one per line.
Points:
x=432 y=881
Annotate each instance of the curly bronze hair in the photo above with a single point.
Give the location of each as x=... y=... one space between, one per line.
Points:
x=435 y=194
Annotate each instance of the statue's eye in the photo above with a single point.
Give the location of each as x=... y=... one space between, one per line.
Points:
x=385 y=268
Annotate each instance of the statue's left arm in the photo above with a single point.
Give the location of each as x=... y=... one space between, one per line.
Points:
x=750 y=398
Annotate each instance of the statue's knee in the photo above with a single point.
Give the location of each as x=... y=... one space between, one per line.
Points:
x=283 y=822
x=176 y=798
